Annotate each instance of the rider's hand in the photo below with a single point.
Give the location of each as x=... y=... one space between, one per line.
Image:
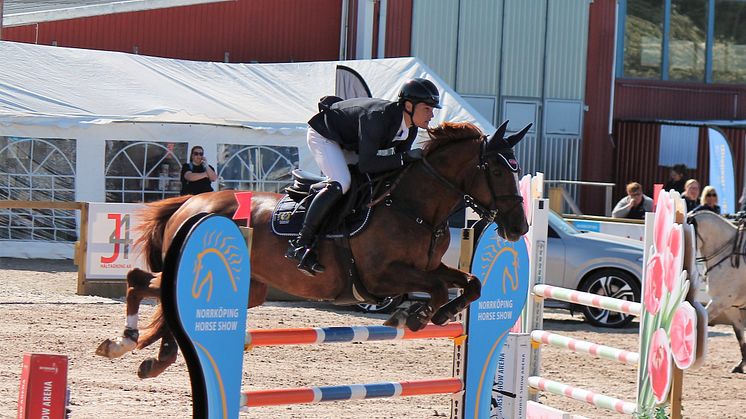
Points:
x=412 y=155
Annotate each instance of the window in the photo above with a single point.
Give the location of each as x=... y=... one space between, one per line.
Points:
x=683 y=40
x=729 y=50
x=643 y=36
x=141 y=171
x=687 y=38
x=256 y=167
x=34 y=169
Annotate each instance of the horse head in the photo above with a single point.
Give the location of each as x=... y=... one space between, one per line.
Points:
x=502 y=170
x=218 y=253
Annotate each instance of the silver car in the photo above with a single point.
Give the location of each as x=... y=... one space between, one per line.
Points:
x=591 y=262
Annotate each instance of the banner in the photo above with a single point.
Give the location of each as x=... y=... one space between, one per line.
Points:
x=111 y=236
x=721 y=171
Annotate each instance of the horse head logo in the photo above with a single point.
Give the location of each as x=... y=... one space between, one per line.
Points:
x=217 y=254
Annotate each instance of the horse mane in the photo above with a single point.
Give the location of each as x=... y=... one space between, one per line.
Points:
x=451 y=132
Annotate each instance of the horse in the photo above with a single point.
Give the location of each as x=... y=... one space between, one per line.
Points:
x=398 y=252
x=720 y=251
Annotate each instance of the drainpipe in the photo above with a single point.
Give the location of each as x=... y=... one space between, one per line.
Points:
x=343 y=31
x=1 y=20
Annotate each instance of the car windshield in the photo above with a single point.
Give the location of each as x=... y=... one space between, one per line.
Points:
x=558 y=223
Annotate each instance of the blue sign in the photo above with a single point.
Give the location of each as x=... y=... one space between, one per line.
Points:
x=211 y=299
x=502 y=267
x=587 y=225
x=721 y=171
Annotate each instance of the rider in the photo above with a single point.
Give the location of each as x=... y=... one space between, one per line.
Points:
x=353 y=131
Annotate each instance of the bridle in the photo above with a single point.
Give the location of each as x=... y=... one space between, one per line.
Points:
x=730 y=249
x=491 y=211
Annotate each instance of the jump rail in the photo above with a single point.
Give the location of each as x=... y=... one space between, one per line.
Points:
x=585 y=347
x=319 y=335
x=590 y=397
x=587 y=299
x=288 y=396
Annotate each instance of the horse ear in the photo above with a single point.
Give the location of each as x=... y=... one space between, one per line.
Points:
x=497 y=137
x=518 y=136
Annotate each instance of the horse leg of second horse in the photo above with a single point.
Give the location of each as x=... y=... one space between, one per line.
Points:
x=737 y=318
x=153 y=367
x=138 y=287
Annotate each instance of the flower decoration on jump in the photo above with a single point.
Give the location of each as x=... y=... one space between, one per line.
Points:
x=668 y=322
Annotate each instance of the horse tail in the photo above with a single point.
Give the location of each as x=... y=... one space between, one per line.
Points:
x=154 y=331
x=152 y=226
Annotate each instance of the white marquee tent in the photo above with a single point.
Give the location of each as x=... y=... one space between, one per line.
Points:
x=88 y=106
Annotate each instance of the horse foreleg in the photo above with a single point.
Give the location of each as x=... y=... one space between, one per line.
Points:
x=153 y=367
x=737 y=318
x=140 y=284
x=471 y=287
x=405 y=279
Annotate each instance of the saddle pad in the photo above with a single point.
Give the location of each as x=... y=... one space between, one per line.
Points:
x=287 y=219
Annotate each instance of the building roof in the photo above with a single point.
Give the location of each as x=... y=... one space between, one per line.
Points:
x=24 y=12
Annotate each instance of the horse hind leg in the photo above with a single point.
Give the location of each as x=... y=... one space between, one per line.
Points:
x=153 y=367
x=739 y=323
x=139 y=286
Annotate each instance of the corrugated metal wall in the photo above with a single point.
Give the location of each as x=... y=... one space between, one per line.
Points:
x=434 y=35
x=479 y=47
x=637 y=155
x=523 y=48
x=399 y=28
x=248 y=30
x=566 y=49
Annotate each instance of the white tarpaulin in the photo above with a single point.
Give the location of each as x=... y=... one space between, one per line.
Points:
x=82 y=104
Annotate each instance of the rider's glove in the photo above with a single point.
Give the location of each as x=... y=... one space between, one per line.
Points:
x=412 y=155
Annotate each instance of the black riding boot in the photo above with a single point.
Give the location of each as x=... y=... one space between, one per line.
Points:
x=302 y=248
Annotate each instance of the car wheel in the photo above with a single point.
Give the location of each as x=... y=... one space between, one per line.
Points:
x=610 y=283
x=388 y=305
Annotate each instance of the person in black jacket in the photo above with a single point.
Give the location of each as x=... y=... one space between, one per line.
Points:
x=676 y=180
x=197 y=176
x=353 y=131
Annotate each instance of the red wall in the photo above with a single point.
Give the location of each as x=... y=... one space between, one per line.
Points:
x=598 y=148
x=249 y=30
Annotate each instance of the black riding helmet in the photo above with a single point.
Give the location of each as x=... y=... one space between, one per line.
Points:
x=420 y=91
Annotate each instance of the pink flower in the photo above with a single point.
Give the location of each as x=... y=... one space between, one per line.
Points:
x=684 y=335
x=659 y=365
x=664 y=217
x=654 y=284
x=672 y=258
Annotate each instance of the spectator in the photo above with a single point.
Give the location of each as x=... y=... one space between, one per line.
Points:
x=709 y=200
x=691 y=194
x=676 y=178
x=197 y=175
x=634 y=205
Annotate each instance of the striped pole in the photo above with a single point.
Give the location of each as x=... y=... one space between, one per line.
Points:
x=349 y=392
x=594 y=399
x=318 y=335
x=584 y=347
x=586 y=299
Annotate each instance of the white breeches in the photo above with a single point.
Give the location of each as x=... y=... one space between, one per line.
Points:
x=331 y=158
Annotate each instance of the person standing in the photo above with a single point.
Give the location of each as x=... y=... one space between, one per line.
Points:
x=353 y=131
x=676 y=178
x=196 y=175
x=634 y=205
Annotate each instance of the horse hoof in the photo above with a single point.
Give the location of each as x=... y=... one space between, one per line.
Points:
x=397 y=319
x=111 y=349
x=738 y=369
x=145 y=369
x=442 y=318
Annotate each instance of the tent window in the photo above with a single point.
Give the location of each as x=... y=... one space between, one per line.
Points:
x=143 y=171
x=256 y=167
x=34 y=169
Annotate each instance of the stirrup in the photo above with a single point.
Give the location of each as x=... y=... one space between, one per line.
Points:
x=309 y=263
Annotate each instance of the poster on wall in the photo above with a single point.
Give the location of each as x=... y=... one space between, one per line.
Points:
x=111 y=237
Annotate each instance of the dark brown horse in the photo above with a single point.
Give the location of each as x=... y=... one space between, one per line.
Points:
x=399 y=252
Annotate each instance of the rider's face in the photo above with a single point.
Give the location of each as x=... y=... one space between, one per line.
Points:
x=423 y=113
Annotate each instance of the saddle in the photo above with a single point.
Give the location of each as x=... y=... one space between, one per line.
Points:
x=348 y=218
